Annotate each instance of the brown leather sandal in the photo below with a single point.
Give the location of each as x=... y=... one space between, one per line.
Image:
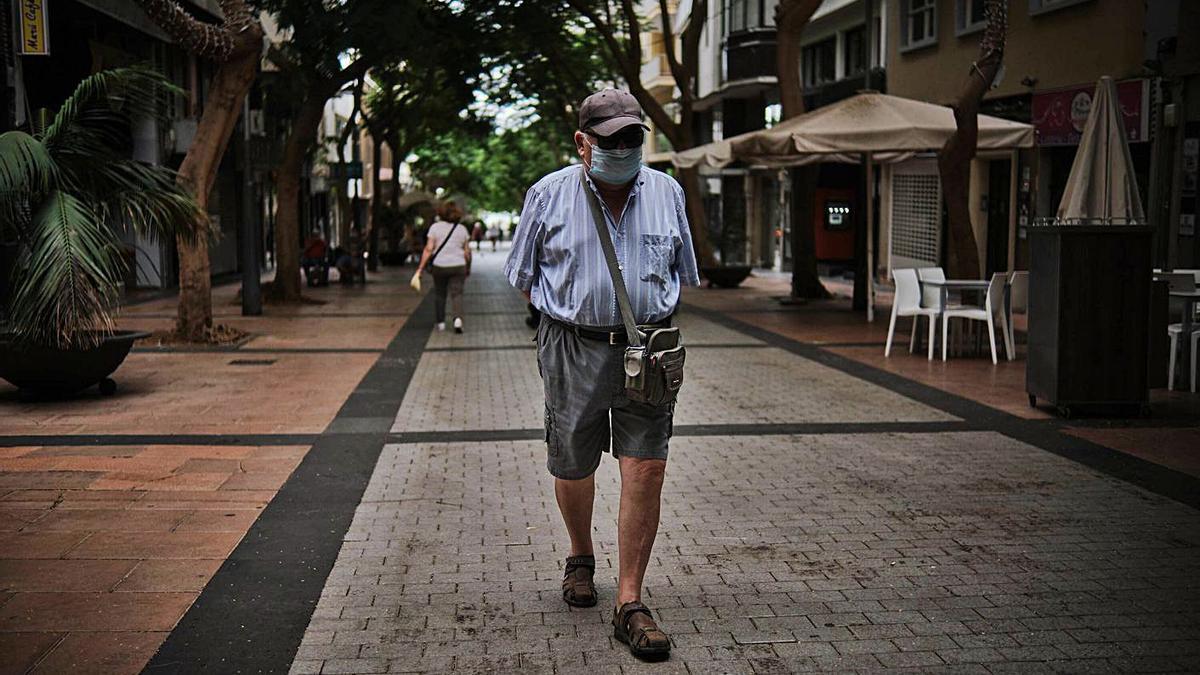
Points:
x=578 y=588
x=634 y=625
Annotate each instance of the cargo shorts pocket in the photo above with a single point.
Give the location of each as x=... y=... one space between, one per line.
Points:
x=552 y=444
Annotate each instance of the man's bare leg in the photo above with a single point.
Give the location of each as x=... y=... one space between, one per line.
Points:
x=637 y=524
x=575 y=499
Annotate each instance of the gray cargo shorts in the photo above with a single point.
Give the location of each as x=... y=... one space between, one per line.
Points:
x=586 y=406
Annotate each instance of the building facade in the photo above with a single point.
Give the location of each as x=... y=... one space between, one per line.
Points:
x=87 y=36
x=1056 y=51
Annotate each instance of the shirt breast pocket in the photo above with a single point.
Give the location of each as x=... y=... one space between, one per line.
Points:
x=658 y=252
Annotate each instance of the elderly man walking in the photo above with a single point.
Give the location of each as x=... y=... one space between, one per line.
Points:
x=559 y=260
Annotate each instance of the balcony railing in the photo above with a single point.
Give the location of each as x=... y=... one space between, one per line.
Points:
x=750 y=54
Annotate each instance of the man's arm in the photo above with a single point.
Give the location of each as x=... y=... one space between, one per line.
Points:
x=521 y=268
x=685 y=256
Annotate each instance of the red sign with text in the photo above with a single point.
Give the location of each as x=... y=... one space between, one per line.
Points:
x=1060 y=115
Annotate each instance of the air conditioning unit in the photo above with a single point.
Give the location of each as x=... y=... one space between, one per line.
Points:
x=258 y=123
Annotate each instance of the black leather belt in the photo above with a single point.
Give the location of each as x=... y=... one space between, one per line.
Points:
x=612 y=338
x=617 y=337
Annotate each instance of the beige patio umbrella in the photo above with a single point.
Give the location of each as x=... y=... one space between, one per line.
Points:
x=875 y=127
x=1102 y=182
x=887 y=127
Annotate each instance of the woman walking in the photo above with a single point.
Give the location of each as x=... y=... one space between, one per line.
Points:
x=448 y=255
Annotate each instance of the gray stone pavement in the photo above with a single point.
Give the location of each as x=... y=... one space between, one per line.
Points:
x=855 y=550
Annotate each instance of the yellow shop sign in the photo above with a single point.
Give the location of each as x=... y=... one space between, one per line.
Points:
x=35 y=41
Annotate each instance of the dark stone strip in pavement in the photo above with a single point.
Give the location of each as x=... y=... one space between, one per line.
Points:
x=482 y=348
x=322 y=315
x=1046 y=436
x=254 y=611
x=531 y=345
x=256 y=350
x=793 y=429
x=82 y=440
x=815 y=428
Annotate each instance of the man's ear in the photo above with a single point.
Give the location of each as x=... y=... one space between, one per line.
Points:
x=581 y=144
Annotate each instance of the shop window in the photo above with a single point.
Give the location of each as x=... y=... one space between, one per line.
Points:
x=969 y=16
x=1043 y=6
x=919 y=19
x=819 y=62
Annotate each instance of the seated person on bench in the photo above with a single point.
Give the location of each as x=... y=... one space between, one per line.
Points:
x=312 y=260
x=350 y=260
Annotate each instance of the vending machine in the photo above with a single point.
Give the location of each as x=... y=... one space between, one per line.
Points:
x=834 y=218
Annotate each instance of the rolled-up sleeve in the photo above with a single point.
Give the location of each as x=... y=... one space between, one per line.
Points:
x=521 y=268
x=685 y=255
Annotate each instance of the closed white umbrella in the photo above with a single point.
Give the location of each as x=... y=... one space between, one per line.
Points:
x=1102 y=183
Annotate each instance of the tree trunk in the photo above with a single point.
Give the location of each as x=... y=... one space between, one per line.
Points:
x=222 y=107
x=287 y=181
x=790 y=18
x=690 y=180
x=806 y=283
x=954 y=159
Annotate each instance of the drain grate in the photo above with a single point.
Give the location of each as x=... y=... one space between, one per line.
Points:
x=251 y=362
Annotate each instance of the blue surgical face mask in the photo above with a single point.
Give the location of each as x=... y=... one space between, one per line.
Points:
x=615 y=167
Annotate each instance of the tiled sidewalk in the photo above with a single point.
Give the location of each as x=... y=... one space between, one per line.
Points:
x=115 y=512
x=813 y=520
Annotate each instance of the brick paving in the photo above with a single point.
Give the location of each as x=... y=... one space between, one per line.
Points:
x=106 y=542
x=858 y=549
x=816 y=516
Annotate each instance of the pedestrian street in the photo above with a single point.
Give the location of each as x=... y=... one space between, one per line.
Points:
x=818 y=515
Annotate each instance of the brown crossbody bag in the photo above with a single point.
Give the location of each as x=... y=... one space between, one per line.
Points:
x=654 y=355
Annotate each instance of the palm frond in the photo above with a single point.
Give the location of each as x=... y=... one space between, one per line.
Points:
x=140 y=197
x=66 y=287
x=134 y=91
x=25 y=164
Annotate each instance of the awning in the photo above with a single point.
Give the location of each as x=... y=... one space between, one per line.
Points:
x=888 y=127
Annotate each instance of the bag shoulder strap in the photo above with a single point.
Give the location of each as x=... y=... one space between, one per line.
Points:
x=610 y=259
x=453 y=227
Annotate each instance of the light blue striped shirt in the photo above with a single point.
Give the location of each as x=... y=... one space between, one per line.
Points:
x=557 y=258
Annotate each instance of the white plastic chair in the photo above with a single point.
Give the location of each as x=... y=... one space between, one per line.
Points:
x=986 y=314
x=1174 y=330
x=1180 y=282
x=931 y=296
x=907 y=302
x=1018 y=303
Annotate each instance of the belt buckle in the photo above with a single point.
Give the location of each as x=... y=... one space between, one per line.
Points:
x=612 y=339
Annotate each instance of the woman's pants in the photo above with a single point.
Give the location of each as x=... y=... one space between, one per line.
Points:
x=451 y=279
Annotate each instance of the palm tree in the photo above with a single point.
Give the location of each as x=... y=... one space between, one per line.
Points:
x=63 y=188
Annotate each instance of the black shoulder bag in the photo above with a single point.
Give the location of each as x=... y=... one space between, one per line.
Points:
x=654 y=356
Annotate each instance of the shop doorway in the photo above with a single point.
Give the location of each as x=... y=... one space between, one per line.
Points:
x=999 y=180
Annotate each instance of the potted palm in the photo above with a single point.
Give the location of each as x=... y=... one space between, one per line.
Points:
x=65 y=189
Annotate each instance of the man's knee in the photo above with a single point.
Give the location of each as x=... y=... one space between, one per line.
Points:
x=643 y=471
